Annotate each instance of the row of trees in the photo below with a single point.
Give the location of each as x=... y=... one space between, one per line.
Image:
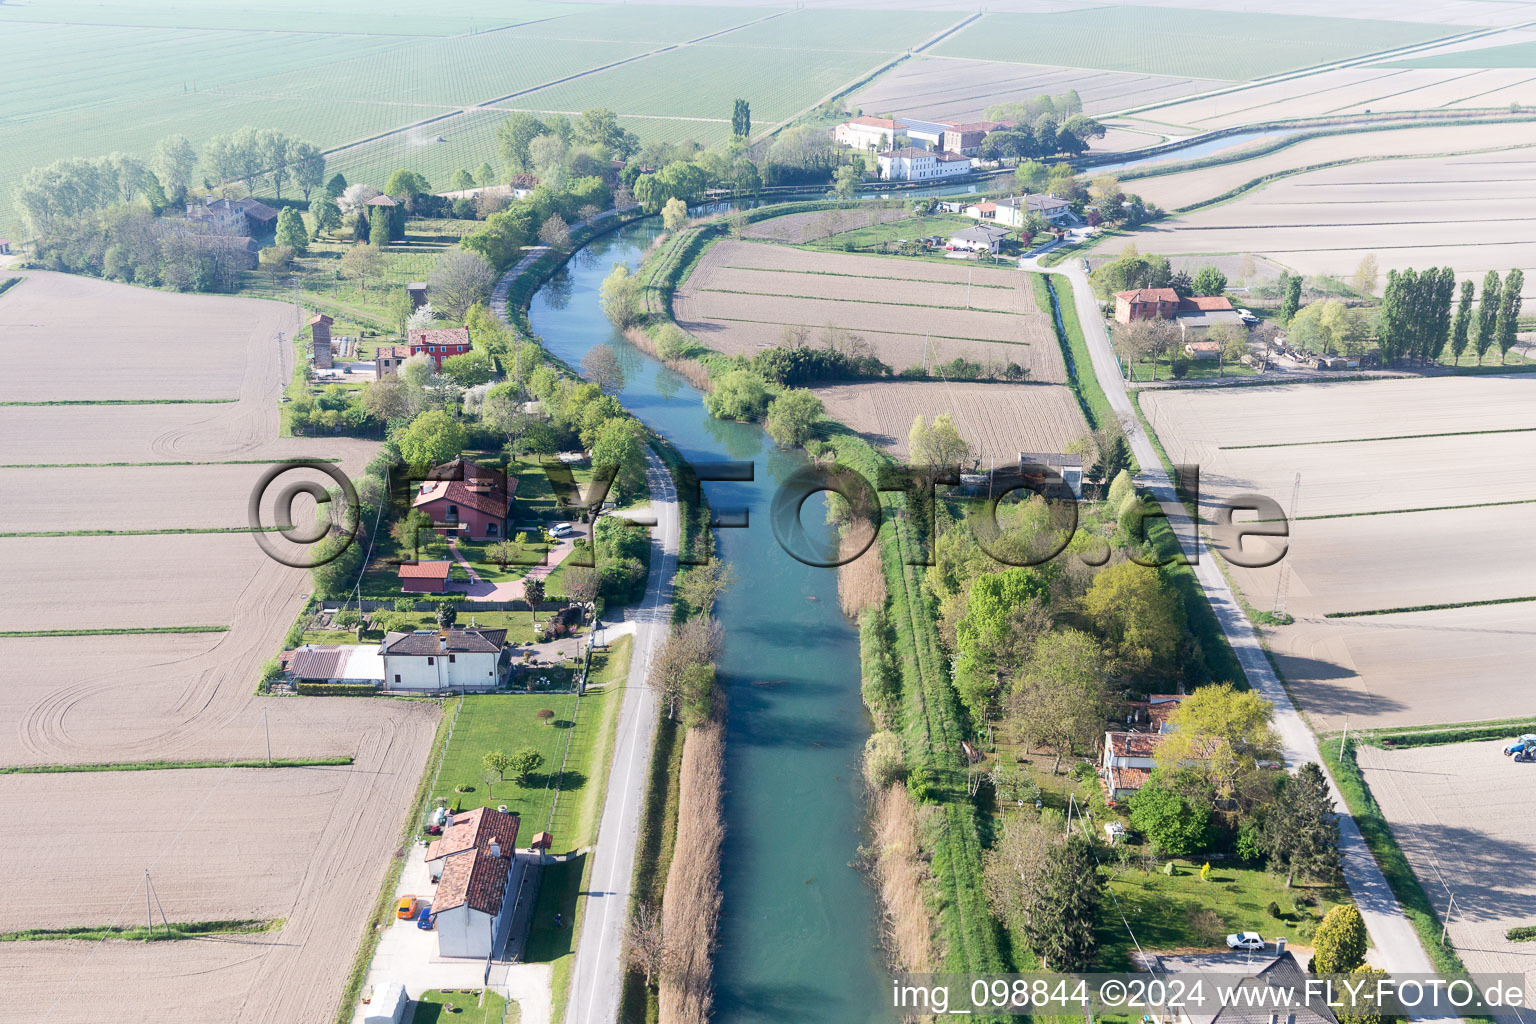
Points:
x=1416 y=320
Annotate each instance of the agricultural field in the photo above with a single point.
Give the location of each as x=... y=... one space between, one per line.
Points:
x=173 y=696
x=1407 y=500
x=743 y=295
x=1472 y=212
x=1459 y=813
x=1181 y=42
x=813 y=225
x=998 y=420
x=952 y=89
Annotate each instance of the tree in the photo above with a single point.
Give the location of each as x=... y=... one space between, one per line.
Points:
x=555 y=233
x=290 y=230
x=360 y=263
x=1133 y=606
x=671 y=342
x=336 y=185
x=461 y=181
x=533 y=594
x=1175 y=825
x=497 y=761
x=792 y=417
x=459 y=279
x=1463 y=322
x=702 y=585
x=1365 y=1007
x=387 y=400
x=885 y=762
x=308 y=167
x=674 y=214
x=513 y=138
x=274 y=259
x=1488 y=314
x=379 y=229
x=846 y=180
x=1220 y=733
x=600 y=127
x=1366 y=275
x=1061 y=930
x=739 y=394
x=1292 y=300
x=620 y=297
x=433 y=437
x=938 y=445
x=524 y=763
x=1060 y=700
x=601 y=366
x=1300 y=833
x=405 y=183
x=1508 y=324
x=618 y=446
x=1209 y=280
x=1031 y=175
x=485 y=174
x=741 y=119
x=407 y=530
x=174 y=162
x=327 y=215
x=1340 y=942
x=468 y=369
x=645 y=947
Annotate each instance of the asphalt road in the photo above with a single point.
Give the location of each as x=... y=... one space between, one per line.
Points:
x=598 y=972
x=1398 y=949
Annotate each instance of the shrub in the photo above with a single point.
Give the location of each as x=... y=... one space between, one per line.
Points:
x=1180 y=368
x=337 y=689
x=1274 y=911
x=1521 y=933
x=1340 y=942
x=884 y=760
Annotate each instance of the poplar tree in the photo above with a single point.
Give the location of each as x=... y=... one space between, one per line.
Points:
x=1509 y=312
x=1487 y=314
x=1463 y=321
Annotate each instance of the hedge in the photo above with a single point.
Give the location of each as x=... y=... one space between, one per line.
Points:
x=338 y=689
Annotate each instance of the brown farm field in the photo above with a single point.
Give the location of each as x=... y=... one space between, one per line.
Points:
x=310 y=846
x=1414 y=492
x=999 y=420
x=742 y=295
x=797 y=228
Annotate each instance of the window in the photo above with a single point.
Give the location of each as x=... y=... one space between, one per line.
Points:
x=490 y=530
x=452 y=658
x=397 y=677
x=431 y=661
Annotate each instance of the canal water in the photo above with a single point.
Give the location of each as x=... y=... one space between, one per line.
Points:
x=798 y=924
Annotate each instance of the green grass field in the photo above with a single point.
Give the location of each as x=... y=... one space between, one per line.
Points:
x=1177 y=41
x=480 y=1006
x=1513 y=55
x=911 y=228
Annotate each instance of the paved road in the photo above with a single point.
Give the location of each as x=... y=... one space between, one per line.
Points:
x=598 y=972
x=1397 y=944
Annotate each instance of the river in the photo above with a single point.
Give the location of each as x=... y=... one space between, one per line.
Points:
x=798 y=935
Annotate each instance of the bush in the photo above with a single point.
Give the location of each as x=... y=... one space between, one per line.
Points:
x=1180 y=368
x=270 y=670
x=884 y=760
x=1521 y=933
x=337 y=689
x=1274 y=911
x=1340 y=942
x=347 y=618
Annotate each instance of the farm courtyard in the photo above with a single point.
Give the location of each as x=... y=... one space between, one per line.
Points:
x=304 y=848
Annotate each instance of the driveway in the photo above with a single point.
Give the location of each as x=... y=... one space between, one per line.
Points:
x=1396 y=942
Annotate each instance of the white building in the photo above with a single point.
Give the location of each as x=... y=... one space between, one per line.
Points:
x=1068 y=467
x=877 y=133
x=339 y=663
x=913 y=164
x=1015 y=210
x=431 y=660
x=477 y=885
x=981 y=238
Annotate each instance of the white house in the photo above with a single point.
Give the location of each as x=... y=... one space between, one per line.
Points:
x=983 y=237
x=470 y=831
x=432 y=660
x=1015 y=210
x=1127 y=761
x=477 y=886
x=877 y=133
x=913 y=164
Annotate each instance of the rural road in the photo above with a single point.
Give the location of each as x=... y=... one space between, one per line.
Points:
x=1397 y=944
x=597 y=977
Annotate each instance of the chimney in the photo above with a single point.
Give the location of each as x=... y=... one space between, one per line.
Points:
x=495 y=850
x=1280 y=945
x=442 y=641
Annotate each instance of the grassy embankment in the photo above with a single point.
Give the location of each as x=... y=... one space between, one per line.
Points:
x=141 y=933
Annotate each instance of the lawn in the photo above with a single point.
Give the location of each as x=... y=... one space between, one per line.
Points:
x=360 y=307
x=911 y=228
x=611 y=664
x=564 y=802
x=478 y=1006
x=1144 y=370
x=1162 y=910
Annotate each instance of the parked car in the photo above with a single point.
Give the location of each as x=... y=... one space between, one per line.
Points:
x=1245 y=940
x=563 y=530
x=407 y=907
x=426 y=920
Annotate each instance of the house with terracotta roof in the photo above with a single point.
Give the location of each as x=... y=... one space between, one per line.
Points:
x=467 y=499
x=438 y=342
x=446 y=660
x=1127 y=762
x=387 y=360
x=870 y=133
x=424 y=577
x=965 y=138
x=477 y=884
x=1146 y=304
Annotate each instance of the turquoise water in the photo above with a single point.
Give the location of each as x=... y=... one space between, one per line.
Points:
x=797 y=934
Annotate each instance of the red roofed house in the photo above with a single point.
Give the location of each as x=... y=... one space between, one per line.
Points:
x=387 y=360
x=466 y=498
x=965 y=139
x=1146 y=304
x=424 y=577
x=1128 y=761
x=479 y=876
x=439 y=342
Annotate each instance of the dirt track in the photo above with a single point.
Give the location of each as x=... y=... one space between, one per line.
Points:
x=308 y=845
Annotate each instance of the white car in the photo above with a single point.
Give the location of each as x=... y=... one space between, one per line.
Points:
x=1245 y=940
x=563 y=530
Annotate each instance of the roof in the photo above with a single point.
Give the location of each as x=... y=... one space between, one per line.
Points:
x=415 y=285
x=975 y=126
x=887 y=123
x=1039 y=202
x=474 y=830
x=1205 y=302
x=320 y=318
x=381 y=200
x=462 y=482
x=1050 y=459
x=1203 y=346
x=424 y=571
x=985 y=207
x=951 y=158
x=1118 y=778
x=257 y=209
x=981 y=233
x=1133 y=744
x=426 y=642
x=1209 y=317
x=394 y=351
x=1149 y=295
x=1281 y=970
x=438 y=336
x=315 y=662
x=475 y=879
x=909 y=152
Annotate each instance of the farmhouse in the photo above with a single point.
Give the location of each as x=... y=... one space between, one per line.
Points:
x=1146 y=304
x=876 y=133
x=1015 y=210
x=913 y=164
x=424 y=577
x=438 y=342
x=966 y=138
x=981 y=238
x=433 y=661
x=1199 y=314
x=234 y=216
x=477 y=884
x=387 y=360
x=337 y=663
x=240 y=249
x=465 y=497
x=1194 y=315
x=1127 y=761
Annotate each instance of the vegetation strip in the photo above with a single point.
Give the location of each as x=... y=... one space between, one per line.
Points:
x=1429 y=607
x=148 y=533
x=156 y=766
x=1444 y=735
x=1406 y=511
x=129 y=401
x=132 y=631
x=1389 y=856
x=1368 y=440
x=138 y=465
x=1074 y=350
x=139 y=933
x=857 y=277
x=905 y=334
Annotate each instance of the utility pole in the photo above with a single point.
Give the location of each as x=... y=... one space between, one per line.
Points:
x=268 y=729
x=1344 y=736
x=1282 y=588
x=149 y=912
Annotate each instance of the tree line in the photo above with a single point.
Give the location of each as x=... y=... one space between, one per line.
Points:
x=1416 y=321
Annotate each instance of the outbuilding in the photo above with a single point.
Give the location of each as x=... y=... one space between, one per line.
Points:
x=424 y=577
x=981 y=238
x=387 y=1004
